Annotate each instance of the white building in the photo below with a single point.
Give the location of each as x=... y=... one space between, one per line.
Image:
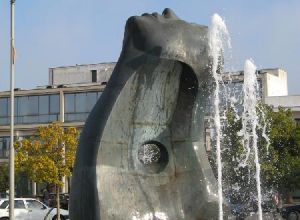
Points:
x=79 y=74
x=292 y=102
x=73 y=90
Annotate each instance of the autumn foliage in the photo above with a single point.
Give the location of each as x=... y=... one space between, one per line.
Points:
x=48 y=155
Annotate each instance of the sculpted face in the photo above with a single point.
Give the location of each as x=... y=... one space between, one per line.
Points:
x=141 y=154
x=152 y=30
x=167 y=36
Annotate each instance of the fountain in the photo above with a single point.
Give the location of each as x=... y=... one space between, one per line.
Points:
x=142 y=152
x=218 y=42
x=250 y=123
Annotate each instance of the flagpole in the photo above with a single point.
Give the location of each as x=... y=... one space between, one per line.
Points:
x=12 y=95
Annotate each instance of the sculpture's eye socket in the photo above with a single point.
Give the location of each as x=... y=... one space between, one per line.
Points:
x=153 y=155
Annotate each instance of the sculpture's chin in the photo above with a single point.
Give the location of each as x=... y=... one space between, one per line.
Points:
x=167 y=38
x=139 y=33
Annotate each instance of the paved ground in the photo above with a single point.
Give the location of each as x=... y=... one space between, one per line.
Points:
x=266 y=216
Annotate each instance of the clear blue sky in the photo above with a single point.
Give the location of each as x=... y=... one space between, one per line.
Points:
x=53 y=33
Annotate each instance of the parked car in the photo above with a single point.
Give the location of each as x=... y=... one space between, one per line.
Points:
x=63 y=200
x=30 y=209
x=291 y=212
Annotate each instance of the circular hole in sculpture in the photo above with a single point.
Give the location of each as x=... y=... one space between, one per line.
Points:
x=154 y=156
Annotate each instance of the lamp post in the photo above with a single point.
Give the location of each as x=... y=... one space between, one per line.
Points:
x=12 y=95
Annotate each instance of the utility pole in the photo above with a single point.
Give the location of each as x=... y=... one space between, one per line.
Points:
x=12 y=96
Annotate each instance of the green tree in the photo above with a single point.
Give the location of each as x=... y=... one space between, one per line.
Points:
x=279 y=153
x=48 y=156
x=4 y=178
x=281 y=161
x=236 y=171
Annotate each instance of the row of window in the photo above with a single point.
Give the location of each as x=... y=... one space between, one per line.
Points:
x=79 y=105
x=80 y=102
x=46 y=108
x=30 y=109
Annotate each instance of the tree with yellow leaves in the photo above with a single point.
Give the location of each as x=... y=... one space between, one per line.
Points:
x=48 y=155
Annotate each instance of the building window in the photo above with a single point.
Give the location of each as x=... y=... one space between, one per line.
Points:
x=4 y=147
x=79 y=105
x=94 y=75
x=31 y=109
x=4 y=111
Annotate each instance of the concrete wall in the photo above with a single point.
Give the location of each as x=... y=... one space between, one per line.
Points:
x=292 y=102
x=80 y=73
x=276 y=82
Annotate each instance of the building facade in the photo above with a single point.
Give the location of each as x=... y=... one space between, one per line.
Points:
x=72 y=92
x=69 y=103
x=79 y=74
x=291 y=102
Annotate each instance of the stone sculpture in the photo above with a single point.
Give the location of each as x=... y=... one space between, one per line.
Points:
x=142 y=152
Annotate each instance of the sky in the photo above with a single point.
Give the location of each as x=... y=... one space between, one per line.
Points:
x=50 y=33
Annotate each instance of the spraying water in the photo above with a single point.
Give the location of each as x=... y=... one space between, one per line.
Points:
x=264 y=129
x=250 y=123
x=218 y=41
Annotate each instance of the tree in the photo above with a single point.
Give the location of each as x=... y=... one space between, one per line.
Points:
x=281 y=162
x=4 y=178
x=237 y=183
x=48 y=156
x=279 y=153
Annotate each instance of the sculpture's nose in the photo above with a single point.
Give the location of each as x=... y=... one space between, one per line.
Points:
x=169 y=13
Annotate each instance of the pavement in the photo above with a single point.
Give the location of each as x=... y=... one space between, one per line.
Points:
x=266 y=216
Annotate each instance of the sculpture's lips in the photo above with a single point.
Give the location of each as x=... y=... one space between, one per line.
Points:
x=155 y=15
x=166 y=14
